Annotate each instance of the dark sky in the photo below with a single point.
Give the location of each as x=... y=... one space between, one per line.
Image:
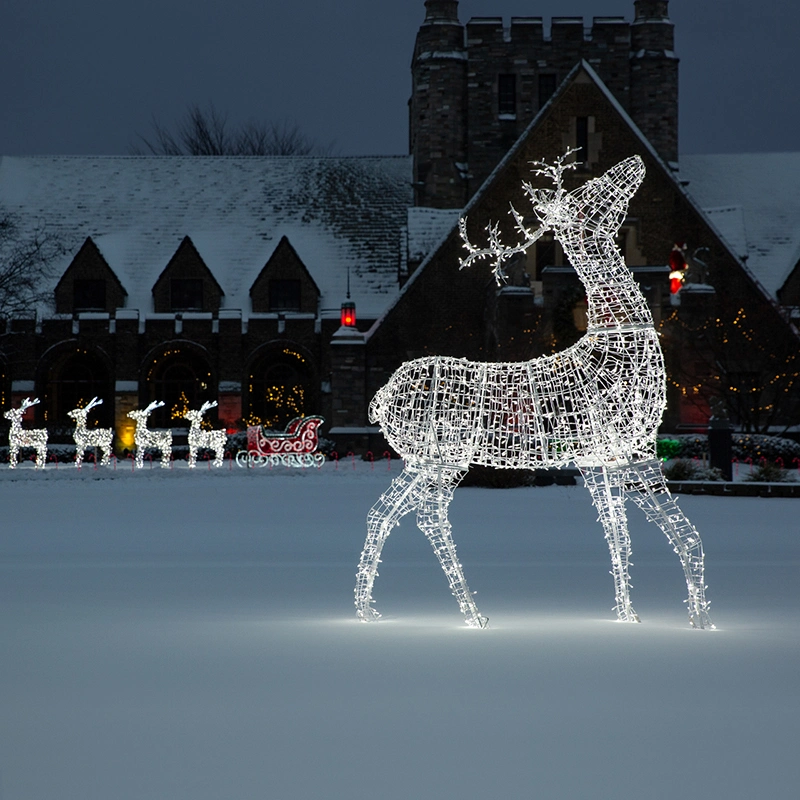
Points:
x=85 y=76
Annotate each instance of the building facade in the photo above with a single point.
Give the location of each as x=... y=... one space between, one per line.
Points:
x=187 y=279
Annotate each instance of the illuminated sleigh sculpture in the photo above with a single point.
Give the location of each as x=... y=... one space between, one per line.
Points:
x=296 y=447
x=597 y=404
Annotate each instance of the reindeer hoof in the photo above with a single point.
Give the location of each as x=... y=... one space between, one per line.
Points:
x=701 y=621
x=368 y=614
x=478 y=622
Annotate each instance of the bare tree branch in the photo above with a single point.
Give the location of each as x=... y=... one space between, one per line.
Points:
x=205 y=132
x=25 y=267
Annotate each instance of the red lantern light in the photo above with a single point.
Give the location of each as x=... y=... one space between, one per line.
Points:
x=677 y=267
x=348 y=317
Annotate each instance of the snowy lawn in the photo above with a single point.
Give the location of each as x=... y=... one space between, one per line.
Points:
x=191 y=636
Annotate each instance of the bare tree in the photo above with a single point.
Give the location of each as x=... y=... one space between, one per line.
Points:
x=25 y=265
x=205 y=132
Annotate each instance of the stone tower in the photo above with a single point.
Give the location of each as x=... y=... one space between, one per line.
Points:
x=654 y=76
x=437 y=108
x=476 y=87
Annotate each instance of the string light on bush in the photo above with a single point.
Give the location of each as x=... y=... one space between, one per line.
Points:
x=597 y=404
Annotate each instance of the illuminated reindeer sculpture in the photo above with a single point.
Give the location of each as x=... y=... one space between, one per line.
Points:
x=86 y=438
x=198 y=438
x=597 y=404
x=144 y=438
x=25 y=437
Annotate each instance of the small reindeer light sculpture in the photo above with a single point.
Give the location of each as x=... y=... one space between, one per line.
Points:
x=20 y=437
x=144 y=438
x=198 y=438
x=86 y=438
x=597 y=404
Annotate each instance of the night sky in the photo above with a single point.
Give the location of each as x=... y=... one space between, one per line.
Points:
x=86 y=76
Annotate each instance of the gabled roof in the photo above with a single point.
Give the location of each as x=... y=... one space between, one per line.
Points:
x=753 y=199
x=284 y=244
x=187 y=245
x=337 y=212
x=89 y=246
x=449 y=224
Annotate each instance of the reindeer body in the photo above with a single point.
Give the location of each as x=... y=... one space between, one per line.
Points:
x=597 y=404
x=587 y=424
x=198 y=438
x=86 y=439
x=144 y=438
x=21 y=437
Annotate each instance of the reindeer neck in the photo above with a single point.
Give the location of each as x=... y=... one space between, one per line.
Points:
x=614 y=299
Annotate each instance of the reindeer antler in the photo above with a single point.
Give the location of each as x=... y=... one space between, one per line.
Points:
x=208 y=404
x=27 y=403
x=546 y=205
x=154 y=405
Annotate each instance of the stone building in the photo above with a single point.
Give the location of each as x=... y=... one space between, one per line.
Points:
x=189 y=279
x=476 y=87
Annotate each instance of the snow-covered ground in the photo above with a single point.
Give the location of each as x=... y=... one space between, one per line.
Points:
x=168 y=634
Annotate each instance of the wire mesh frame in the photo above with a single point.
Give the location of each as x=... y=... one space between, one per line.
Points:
x=597 y=404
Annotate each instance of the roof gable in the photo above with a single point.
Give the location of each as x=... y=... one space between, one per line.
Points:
x=88 y=264
x=284 y=264
x=186 y=264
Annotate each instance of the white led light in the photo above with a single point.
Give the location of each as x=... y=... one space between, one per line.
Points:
x=597 y=404
x=144 y=438
x=86 y=439
x=198 y=438
x=21 y=437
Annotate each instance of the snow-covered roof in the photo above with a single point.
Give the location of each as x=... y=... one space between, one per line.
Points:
x=427 y=227
x=336 y=212
x=753 y=199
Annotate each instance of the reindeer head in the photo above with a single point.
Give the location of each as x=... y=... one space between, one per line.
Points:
x=82 y=413
x=597 y=208
x=142 y=414
x=195 y=415
x=17 y=413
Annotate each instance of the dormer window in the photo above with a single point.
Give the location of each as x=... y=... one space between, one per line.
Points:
x=284 y=294
x=186 y=294
x=89 y=294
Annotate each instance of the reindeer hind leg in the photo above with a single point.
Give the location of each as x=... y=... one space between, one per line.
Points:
x=605 y=487
x=437 y=492
x=660 y=507
x=400 y=498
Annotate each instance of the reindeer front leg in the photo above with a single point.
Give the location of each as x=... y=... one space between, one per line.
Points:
x=437 y=492
x=605 y=486
x=658 y=504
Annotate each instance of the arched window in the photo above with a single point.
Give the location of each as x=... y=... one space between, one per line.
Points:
x=280 y=388
x=76 y=376
x=180 y=377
